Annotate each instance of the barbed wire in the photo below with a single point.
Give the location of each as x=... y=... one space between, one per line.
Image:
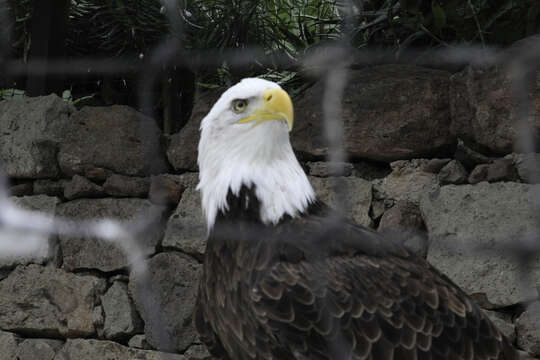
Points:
x=320 y=63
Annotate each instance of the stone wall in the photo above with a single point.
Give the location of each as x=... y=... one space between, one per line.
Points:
x=431 y=157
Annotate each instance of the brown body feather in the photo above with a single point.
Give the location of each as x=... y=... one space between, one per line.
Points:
x=320 y=287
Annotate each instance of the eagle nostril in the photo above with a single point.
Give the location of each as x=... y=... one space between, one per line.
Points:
x=269 y=97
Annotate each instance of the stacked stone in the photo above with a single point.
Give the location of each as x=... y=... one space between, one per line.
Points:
x=433 y=160
x=76 y=297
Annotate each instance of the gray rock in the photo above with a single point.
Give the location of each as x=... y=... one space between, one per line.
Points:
x=4 y=273
x=31 y=130
x=186 y=228
x=408 y=181
x=99 y=320
x=118 y=277
x=82 y=349
x=378 y=194
x=503 y=322
x=522 y=48
x=93 y=172
x=357 y=205
x=523 y=355
x=186 y=180
x=8 y=345
x=370 y=170
x=90 y=253
x=434 y=166
x=453 y=173
x=121 y=318
x=50 y=187
x=126 y=186
x=166 y=189
x=48 y=302
x=38 y=349
x=139 y=341
x=21 y=189
x=80 y=187
x=501 y=170
x=470 y=229
x=166 y=300
x=404 y=221
x=528 y=167
x=484 y=110
x=116 y=138
x=24 y=247
x=378 y=207
x=478 y=174
x=374 y=101
x=323 y=169
x=403 y=215
x=528 y=329
x=197 y=352
x=182 y=150
x=469 y=157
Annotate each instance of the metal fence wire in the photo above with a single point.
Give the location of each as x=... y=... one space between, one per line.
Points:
x=332 y=65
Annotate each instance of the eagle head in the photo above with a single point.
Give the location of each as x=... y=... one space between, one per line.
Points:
x=245 y=142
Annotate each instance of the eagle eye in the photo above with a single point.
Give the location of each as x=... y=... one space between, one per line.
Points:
x=239 y=105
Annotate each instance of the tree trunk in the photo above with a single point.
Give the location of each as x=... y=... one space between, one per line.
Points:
x=48 y=35
x=177 y=93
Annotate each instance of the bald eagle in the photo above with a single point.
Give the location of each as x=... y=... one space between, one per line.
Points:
x=285 y=277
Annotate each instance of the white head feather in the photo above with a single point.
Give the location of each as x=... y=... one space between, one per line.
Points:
x=257 y=152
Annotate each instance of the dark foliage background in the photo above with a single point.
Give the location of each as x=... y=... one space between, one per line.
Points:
x=131 y=29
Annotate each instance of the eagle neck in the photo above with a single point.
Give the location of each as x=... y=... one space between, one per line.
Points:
x=275 y=176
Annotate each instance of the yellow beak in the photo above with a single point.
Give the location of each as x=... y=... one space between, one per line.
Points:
x=277 y=106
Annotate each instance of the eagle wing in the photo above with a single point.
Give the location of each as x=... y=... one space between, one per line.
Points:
x=366 y=300
x=356 y=307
